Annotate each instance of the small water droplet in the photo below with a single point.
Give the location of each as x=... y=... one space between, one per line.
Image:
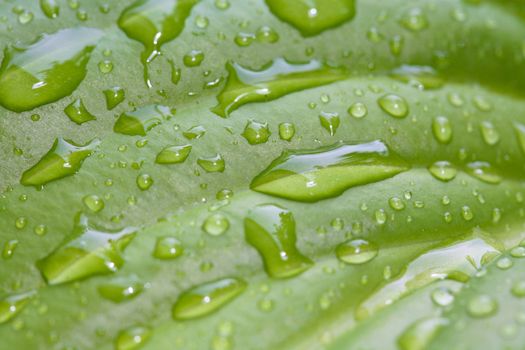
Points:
x=167 y=248
x=193 y=58
x=94 y=203
x=11 y=305
x=380 y=216
x=132 y=338
x=518 y=289
x=77 y=112
x=144 y=182
x=173 y=154
x=466 y=213
x=271 y=230
x=489 y=133
x=356 y=251
x=212 y=164
x=114 y=96
x=216 y=224
x=414 y=20
x=481 y=306
x=286 y=131
x=396 y=203
x=121 y=289
x=207 y=298
x=443 y=171
x=142 y=120
x=256 y=132
x=484 y=172
x=358 y=110
x=50 y=8
x=394 y=105
x=330 y=121
x=442 y=129
x=266 y=34
x=504 y=263
x=9 y=251
x=482 y=103
x=518 y=252
x=442 y=296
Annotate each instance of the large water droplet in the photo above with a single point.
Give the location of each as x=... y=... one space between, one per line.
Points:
x=420 y=333
x=256 y=132
x=421 y=77
x=50 y=8
x=77 y=112
x=132 y=338
x=312 y=17
x=482 y=306
x=484 y=172
x=142 y=120
x=312 y=175
x=173 y=154
x=330 y=122
x=356 y=251
x=121 y=289
x=206 y=298
x=63 y=159
x=286 y=131
x=88 y=252
x=394 y=105
x=11 y=305
x=47 y=70
x=167 y=248
x=442 y=129
x=94 y=203
x=443 y=171
x=114 y=97
x=271 y=230
x=489 y=133
x=212 y=164
x=216 y=224
x=154 y=23
x=271 y=82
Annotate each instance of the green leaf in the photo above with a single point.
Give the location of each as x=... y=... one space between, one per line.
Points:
x=347 y=175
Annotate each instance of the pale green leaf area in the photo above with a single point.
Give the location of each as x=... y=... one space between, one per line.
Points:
x=262 y=175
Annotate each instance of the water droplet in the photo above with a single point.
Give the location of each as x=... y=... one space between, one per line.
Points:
x=286 y=131
x=265 y=305
x=266 y=34
x=201 y=21
x=195 y=132
x=9 y=251
x=47 y=70
x=518 y=289
x=40 y=230
x=504 y=263
x=89 y=252
x=20 y=222
x=114 y=96
x=77 y=112
x=271 y=230
x=482 y=103
x=396 y=44
x=396 y=203
x=442 y=129
x=11 y=305
x=448 y=217
x=356 y=251
x=94 y=203
x=193 y=58
x=222 y=4
x=327 y=172
x=256 y=132
x=244 y=39
x=518 y=252
x=50 y=8
x=419 y=335
x=63 y=159
x=484 y=172
x=466 y=213
x=421 y=77
x=167 y=248
x=121 y=289
x=173 y=154
x=207 y=298
x=482 y=306
x=25 y=17
x=154 y=23
x=414 y=20
x=358 y=110
x=271 y=82
x=443 y=171
x=144 y=182
x=132 y=338
x=489 y=133
x=142 y=120
x=442 y=296
x=394 y=105
x=105 y=66
x=330 y=121
x=216 y=224
x=496 y=215
x=313 y=17
x=455 y=99
x=212 y=164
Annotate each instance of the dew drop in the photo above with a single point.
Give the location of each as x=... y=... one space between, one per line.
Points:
x=442 y=296
x=481 y=306
x=78 y=113
x=144 y=182
x=394 y=105
x=94 y=203
x=50 y=8
x=216 y=224
x=330 y=122
x=414 y=20
x=466 y=213
x=121 y=289
x=442 y=129
x=132 y=338
x=489 y=133
x=443 y=170
x=9 y=250
x=286 y=131
x=212 y=164
x=356 y=251
x=173 y=154
x=11 y=305
x=256 y=132
x=358 y=110
x=142 y=120
x=114 y=96
x=167 y=248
